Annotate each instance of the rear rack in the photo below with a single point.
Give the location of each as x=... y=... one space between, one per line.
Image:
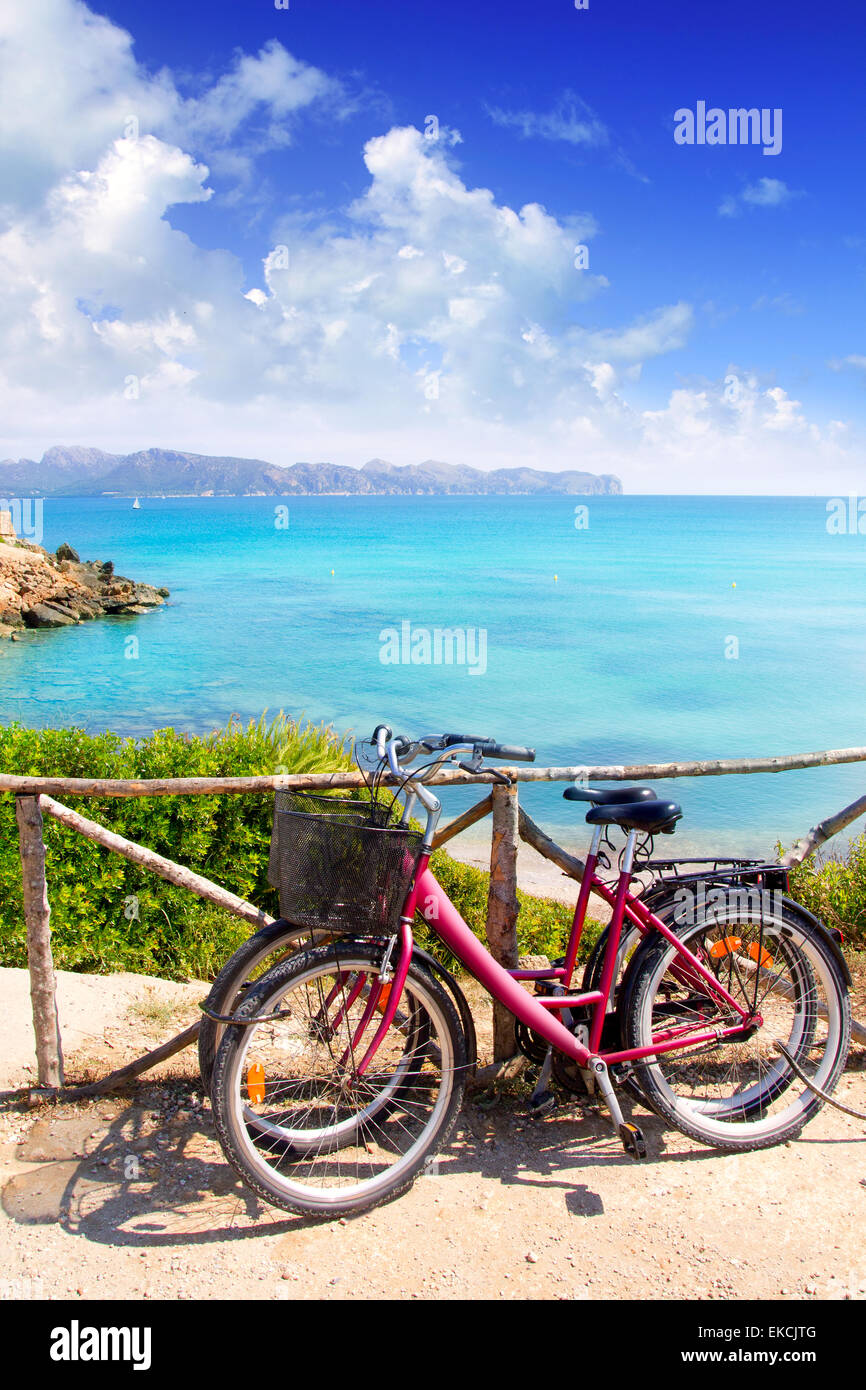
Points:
x=724 y=870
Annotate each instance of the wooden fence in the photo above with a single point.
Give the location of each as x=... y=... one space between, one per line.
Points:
x=35 y=798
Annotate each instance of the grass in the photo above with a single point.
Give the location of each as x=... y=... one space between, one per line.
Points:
x=155 y=1012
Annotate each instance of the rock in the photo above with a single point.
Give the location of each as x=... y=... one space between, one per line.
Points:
x=65 y=552
x=145 y=593
x=40 y=615
x=41 y=1194
x=65 y=610
x=38 y=590
x=86 y=575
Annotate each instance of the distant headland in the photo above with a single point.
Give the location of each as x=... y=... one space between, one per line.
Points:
x=83 y=472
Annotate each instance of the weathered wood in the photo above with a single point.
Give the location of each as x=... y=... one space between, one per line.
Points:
x=177 y=786
x=37 y=916
x=823 y=832
x=310 y=781
x=454 y=827
x=133 y=1069
x=503 y=907
x=165 y=868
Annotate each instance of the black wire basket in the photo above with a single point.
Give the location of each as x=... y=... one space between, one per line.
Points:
x=340 y=865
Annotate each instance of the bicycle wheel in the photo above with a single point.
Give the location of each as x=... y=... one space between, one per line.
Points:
x=740 y=1093
x=265 y=949
x=298 y=1122
x=253 y=958
x=669 y=908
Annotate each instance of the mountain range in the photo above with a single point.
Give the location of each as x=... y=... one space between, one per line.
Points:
x=81 y=472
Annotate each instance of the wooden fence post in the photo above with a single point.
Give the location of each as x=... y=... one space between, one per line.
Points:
x=37 y=916
x=502 y=908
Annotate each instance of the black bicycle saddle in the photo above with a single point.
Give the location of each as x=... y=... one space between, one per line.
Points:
x=619 y=796
x=649 y=816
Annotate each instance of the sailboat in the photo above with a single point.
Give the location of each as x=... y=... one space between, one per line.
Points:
x=136 y=505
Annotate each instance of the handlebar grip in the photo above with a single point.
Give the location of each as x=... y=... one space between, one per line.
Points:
x=380 y=737
x=507 y=750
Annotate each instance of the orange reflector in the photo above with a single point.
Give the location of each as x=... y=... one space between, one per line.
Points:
x=384 y=996
x=256 y=1083
x=760 y=956
x=725 y=946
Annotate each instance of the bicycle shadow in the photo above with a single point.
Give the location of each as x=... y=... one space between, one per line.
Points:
x=141 y=1179
x=511 y=1146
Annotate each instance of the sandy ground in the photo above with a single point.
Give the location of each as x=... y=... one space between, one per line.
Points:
x=129 y=1196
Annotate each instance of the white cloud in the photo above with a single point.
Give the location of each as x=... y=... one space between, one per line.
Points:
x=330 y=355
x=742 y=434
x=785 y=303
x=72 y=86
x=664 y=331
x=571 y=121
x=766 y=193
x=854 y=359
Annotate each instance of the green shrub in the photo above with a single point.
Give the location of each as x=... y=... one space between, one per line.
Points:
x=834 y=888
x=109 y=914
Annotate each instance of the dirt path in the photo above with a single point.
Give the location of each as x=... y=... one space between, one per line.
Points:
x=129 y=1197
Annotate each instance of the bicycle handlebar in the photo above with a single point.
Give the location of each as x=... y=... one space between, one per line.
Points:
x=507 y=750
x=486 y=746
x=391 y=749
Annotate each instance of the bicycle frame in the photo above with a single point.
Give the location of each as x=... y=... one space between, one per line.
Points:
x=539 y=1012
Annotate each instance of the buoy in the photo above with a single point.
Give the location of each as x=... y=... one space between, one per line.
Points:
x=332 y=571
x=556 y=579
x=733 y=585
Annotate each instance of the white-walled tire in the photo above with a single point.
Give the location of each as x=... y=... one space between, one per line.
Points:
x=743 y=1093
x=312 y=1135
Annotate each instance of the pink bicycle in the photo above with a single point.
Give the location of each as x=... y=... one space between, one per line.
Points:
x=342 y=1072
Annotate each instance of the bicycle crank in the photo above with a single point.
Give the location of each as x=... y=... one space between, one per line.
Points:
x=632 y=1137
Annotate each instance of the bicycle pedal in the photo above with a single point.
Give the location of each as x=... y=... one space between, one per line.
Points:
x=542 y=1103
x=632 y=1139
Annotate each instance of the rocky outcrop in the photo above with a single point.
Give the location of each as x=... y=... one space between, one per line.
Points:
x=39 y=590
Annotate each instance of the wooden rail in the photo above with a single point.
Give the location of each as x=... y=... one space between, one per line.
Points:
x=318 y=781
x=35 y=796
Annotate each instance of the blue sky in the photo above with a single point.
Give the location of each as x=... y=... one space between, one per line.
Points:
x=715 y=342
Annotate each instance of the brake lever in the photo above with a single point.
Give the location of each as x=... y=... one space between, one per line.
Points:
x=477 y=766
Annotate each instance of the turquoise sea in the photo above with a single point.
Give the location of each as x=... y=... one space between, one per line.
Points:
x=612 y=643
